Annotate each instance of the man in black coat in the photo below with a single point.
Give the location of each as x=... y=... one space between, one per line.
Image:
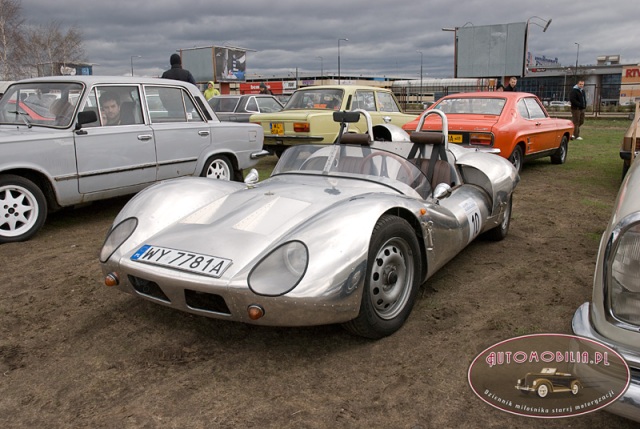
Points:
x=176 y=71
x=578 y=101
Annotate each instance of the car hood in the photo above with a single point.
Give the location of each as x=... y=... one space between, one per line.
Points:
x=265 y=216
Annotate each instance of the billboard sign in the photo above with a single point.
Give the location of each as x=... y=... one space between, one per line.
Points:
x=491 y=50
x=230 y=64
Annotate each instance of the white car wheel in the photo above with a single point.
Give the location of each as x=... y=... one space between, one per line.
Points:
x=23 y=209
x=219 y=168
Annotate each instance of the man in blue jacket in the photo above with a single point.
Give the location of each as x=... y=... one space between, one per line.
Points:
x=578 y=101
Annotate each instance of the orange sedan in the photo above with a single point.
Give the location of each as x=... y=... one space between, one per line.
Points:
x=516 y=123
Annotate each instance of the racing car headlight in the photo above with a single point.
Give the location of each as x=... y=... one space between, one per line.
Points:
x=624 y=277
x=281 y=270
x=117 y=236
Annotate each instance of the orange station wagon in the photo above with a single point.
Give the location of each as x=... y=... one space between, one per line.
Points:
x=516 y=123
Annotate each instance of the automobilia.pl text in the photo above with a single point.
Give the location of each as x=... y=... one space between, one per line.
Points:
x=501 y=358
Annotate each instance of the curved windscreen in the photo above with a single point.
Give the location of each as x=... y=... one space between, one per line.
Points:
x=357 y=162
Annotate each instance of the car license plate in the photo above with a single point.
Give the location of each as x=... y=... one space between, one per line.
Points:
x=277 y=128
x=455 y=138
x=182 y=260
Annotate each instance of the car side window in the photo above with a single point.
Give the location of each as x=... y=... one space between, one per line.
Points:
x=119 y=105
x=535 y=111
x=364 y=100
x=91 y=104
x=193 y=115
x=268 y=105
x=386 y=103
x=252 y=106
x=522 y=109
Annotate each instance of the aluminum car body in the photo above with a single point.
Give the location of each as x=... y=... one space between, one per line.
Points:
x=331 y=212
x=71 y=162
x=613 y=315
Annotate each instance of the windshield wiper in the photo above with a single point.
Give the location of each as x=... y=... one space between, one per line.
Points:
x=24 y=118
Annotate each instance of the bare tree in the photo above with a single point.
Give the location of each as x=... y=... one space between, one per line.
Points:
x=11 y=40
x=51 y=49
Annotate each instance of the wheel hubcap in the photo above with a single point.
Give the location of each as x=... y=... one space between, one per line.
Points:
x=18 y=211
x=391 y=278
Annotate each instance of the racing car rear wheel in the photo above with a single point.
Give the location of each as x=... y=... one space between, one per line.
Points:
x=392 y=282
x=23 y=208
x=500 y=232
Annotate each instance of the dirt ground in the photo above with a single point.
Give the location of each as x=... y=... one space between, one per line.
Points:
x=76 y=354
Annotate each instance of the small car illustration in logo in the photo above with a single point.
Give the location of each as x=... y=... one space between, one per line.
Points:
x=549 y=380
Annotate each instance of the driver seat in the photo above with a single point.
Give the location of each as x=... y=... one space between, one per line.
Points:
x=437 y=168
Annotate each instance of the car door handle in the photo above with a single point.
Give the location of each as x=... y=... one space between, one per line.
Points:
x=145 y=137
x=538 y=124
x=203 y=133
x=386 y=119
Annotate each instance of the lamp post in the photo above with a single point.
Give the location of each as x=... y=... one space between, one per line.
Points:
x=321 y=67
x=544 y=27
x=577 y=56
x=346 y=40
x=132 y=57
x=420 y=96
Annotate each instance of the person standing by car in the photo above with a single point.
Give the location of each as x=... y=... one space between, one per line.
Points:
x=511 y=86
x=578 y=101
x=211 y=91
x=176 y=71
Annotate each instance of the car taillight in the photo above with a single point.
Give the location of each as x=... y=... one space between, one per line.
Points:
x=301 y=127
x=481 y=139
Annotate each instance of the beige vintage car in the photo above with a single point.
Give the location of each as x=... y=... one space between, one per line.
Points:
x=632 y=134
x=308 y=115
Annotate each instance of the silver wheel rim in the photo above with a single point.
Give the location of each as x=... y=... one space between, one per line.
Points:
x=219 y=170
x=18 y=210
x=517 y=160
x=543 y=391
x=391 y=278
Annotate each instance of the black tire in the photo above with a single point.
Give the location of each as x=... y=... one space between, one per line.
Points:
x=517 y=158
x=218 y=167
x=500 y=232
x=543 y=389
x=625 y=168
x=23 y=208
x=575 y=388
x=392 y=279
x=560 y=156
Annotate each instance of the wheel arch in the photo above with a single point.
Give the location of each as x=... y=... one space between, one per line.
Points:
x=407 y=215
x=41 y=180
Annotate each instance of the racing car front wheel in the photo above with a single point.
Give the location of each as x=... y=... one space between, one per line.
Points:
x=23 y=208
x=392 y=282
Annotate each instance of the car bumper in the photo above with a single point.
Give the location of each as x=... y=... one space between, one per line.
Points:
x=290 y=140
x=628 y=405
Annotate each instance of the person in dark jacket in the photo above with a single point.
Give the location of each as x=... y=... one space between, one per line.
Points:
x=511 y=86
x=578 y=101
x=176 y=71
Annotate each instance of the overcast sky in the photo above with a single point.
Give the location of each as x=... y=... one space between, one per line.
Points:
x=288 y=34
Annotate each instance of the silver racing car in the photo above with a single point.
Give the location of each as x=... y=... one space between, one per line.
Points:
x=342 y=233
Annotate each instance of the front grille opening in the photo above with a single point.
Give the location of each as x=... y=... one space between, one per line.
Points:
x=206 y=301
x=148 y=288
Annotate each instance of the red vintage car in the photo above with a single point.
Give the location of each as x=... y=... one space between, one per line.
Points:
x=516 y=123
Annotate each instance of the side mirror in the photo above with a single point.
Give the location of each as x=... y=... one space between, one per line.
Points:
x=252 y=178
x=347 y=117
x=87 y=117
x=443 y=190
